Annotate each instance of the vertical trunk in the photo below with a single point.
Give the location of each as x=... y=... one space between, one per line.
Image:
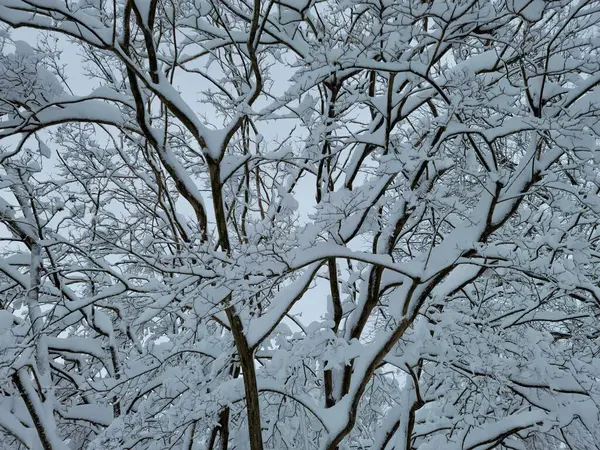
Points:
x=237 y=329
x=249 y=376
x=224 y=428
x=40 y=407
x=337 y=318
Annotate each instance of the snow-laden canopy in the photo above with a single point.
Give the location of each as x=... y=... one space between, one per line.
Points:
x=359 y=224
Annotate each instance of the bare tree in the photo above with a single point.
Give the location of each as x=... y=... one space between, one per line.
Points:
x=421 y=174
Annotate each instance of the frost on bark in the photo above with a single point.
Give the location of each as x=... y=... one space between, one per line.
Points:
x=299 y=224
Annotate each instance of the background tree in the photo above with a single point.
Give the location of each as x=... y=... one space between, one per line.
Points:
x=421 y=175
